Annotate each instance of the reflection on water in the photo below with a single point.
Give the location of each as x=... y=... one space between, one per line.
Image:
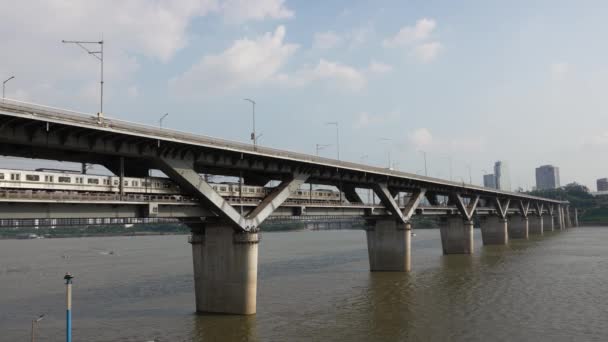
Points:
x=314 y=286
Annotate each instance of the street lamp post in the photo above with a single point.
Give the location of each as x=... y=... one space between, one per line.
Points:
x=34 y=321
x=253 y=135
x=4 y=85
x=388 y=151
x=97 y=54
x=160 y=121
x=426 y=173
x=337 y=136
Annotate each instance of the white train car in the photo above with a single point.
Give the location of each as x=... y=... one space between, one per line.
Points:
x=45 y=180
x=66 y=181
x=232 y=190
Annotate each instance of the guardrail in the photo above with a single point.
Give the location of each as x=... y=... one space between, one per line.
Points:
x=131 y=128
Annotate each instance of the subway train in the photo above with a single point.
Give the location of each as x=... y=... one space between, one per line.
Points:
x=72 y=181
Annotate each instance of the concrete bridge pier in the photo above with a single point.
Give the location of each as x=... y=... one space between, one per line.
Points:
x=535 y=225
x=575 y=217
x=550 y=222
x=225 y=269
x=568 y=220
x=457 y=236
x=494 y=231
x=389 y=245
x=518 y=227
x=560 y=219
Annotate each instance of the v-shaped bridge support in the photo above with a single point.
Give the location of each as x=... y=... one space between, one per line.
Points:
x=467 y=210
x=182 y=172
x=502 y=206
x=388 y=200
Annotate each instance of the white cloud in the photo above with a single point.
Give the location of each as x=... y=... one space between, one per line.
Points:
x=245 y=63
x=599 y=139
x=379 y=68
x=427 y=52
x=421 y=137
x=408 y=35
x=338 y=76
x=365 y=119
x=153 y=29
x=351 y=39
x=559 y=71
x=326 y=40
x=238 y=11
x=416 y=38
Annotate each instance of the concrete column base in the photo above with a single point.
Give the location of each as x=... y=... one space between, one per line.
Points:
x=535 y=225
x=494 y=231
x=225 y=269
x=561 y=222
x=457 y=236
x=389 y=246
x=549 y=223
x=518 y=227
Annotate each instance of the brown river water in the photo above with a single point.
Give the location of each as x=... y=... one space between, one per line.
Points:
x=313 y=286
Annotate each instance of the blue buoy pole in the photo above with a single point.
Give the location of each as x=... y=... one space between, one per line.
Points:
x=68 y=301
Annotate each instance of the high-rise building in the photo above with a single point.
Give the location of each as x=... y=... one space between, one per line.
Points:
x=501 y=175
x=489 y=181
x=602 y=184
x=547 y=177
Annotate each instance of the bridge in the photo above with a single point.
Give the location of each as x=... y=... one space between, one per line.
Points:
x=225 y=231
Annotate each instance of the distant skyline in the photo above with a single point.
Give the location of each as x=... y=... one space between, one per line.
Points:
x=468 y=83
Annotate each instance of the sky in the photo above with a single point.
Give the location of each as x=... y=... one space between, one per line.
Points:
x=466 y=83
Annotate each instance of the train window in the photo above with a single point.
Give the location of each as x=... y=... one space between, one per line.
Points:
x=115 y=182
x=145 y=183
x=167 y=185
x=214 y=187
x=93 y=181
x=251 y=190
x=49 y=179
x=222 y=188
x=126 y=183
x=157 y=184
x=1 y=175
x=106 y=182
x=134 y=183
x=32 y=178
x=15 y=176
x=299 y=192
x=79 y=180
x=64 y=179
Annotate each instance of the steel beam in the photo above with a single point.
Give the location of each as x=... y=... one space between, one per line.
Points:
x=465 y=210
x=182 y=171
x=502 y=206
x=382 y=191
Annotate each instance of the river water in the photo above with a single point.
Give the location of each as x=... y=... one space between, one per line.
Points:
x=313 y=286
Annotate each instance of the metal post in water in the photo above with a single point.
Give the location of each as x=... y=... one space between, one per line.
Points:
x=68 y=301
x=34 y=321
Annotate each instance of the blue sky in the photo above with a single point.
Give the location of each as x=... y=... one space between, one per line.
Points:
x=474 y=81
